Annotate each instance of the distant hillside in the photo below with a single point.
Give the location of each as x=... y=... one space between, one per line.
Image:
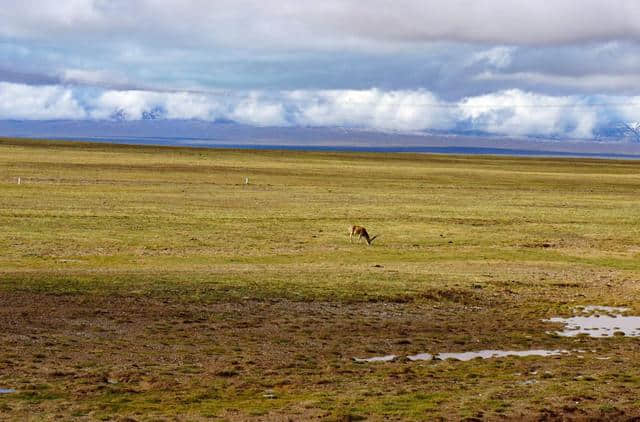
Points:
x=228 y=133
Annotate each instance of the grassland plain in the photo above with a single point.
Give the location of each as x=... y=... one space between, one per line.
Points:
x=147 y=283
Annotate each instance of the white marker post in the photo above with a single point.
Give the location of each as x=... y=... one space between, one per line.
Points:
x=19 y=180
x=246 y=180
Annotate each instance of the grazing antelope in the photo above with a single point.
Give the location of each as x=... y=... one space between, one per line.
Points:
x=361 y=232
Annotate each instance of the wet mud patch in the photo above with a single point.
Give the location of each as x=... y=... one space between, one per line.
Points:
x=169 y=355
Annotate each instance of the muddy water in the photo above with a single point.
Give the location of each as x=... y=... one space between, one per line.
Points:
x=599 y=325
x=599 y=321
x=421 y=356
x=387 y=358
x=464 y=356
x=594 y=321
x=486 y=354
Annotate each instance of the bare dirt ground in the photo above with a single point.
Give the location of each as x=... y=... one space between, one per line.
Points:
x=94 y=357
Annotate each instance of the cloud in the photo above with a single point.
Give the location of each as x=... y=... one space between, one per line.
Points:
x=514 y=112
x=331 y=23
x=497 y=57
x=92 y=77
x=591 y=82
x=508 y=112
x=394 y=110
x=500 y=66
x=19 y=101
x=259 y=111
x=453 y=49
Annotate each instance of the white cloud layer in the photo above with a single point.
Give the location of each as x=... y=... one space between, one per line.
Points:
x=508 y=112
x=514 y=112
x=18 y=101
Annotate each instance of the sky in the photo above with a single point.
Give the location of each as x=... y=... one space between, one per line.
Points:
x=564 y=69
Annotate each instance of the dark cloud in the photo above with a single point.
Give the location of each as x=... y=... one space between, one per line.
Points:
x=17 y=76
x=328 y=24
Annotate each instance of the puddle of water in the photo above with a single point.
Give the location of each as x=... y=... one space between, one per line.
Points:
x=599 y=325
x=421 y=356
x=464 y=356
x=596 y=321
x=486 y=354
x=7 y=390
x=601 y=321
x=387 y=358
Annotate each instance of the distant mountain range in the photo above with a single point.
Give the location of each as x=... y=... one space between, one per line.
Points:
x=615 y=141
